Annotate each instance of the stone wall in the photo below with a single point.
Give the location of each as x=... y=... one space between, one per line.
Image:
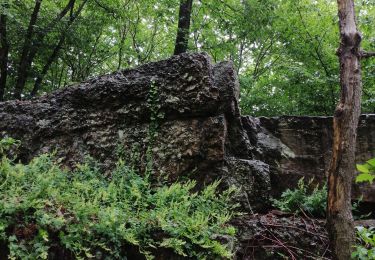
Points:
x=296 y=147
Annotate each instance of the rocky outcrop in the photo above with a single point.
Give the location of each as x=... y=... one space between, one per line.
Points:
x=296 y=147
x=181 y=114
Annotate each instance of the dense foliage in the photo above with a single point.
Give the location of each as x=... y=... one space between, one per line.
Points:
x=284 y=51
x=48 y=211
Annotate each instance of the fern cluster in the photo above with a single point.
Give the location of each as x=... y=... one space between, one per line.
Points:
x=44 y=207
x=304 y=198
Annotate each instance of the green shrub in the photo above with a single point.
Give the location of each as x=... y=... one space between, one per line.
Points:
x=366 y=171
x=312 y=200
x=365 y=249
x=44 y=207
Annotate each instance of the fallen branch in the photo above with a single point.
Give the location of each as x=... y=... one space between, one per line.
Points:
x=312 y=222
x=278 y=242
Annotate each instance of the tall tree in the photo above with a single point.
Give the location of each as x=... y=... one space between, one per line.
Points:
x=4 y=51
x=184 y=17
x=57 y=48
x=32 y=46
x=345 y=122
x=25 y=50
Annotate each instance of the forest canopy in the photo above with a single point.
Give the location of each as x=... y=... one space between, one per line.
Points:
x=283 y=51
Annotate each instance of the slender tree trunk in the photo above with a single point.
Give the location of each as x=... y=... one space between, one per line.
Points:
x=123 y=34
x=345 y=122
x=31 y=47
x=4 y=50
x=22 y=70
x=46 y=66
x=184 y=15
x=61 y=75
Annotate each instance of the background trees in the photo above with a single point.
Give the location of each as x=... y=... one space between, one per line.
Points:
x=286 y=63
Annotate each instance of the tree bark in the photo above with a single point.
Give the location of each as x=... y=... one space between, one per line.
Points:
x=184 y=15
x=4 y=51
x=345 y=122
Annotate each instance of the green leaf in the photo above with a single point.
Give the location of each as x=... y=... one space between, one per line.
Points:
x=43 y=234
x=371 y=162
x=363 y=168
x=365 y=177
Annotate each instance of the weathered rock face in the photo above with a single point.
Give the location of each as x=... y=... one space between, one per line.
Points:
x=183 y=111
x=296 y=147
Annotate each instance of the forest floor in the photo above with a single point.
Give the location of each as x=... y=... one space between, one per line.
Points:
x=279 y=235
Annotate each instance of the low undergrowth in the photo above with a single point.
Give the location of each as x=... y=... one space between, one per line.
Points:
x=312 y=200
x=44 y=208
x=305 y=198
x=365 y=248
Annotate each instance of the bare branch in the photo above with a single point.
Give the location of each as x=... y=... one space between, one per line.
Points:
x=367 y=54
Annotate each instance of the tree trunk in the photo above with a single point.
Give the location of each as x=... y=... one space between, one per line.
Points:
x=123 y=34
x=22 y=70
x=184 y=15
x=31 y=47
x=57 y=48
x=345 y=122
x=4 y=50
x=46 y=66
